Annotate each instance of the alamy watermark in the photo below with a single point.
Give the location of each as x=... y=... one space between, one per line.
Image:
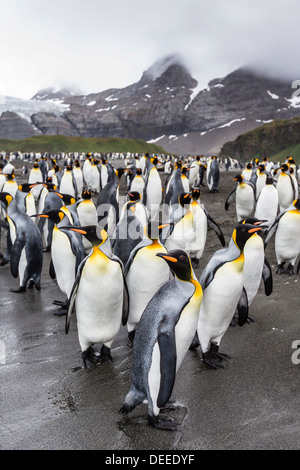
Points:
x=295 y=95
x=296 y=354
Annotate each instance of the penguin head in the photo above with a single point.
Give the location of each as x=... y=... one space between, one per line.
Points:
x=252 y=221
x=178 y=164
x=120 y=171
x=93 y=233
x=196 y=194
x=261 y=168
x=67 y=198
x=243 y=232
x=6 y=198
x=56 y=215
x=86 y=194
x=134 y=196
x=184 y=199
x=139 y=171
x=284 y=167
x=238 y=178
x=179 y=263
x=269 y=179
x=296 y=204
x=26 y=187
x=249 y=166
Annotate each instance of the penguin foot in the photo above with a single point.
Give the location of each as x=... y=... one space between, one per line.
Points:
x=280 y=269
x=61 y=311
x=250 y=320
x=169 y=406
x=61 y=303
x=195 y=343
x=166 y=424
x=20 y=289
x=4 y=262
x=290 y=270
x=215 y=359
x=130 y=337
x=30 y=284
x=105 y=354
x=89 y=359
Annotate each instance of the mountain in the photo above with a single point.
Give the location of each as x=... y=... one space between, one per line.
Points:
x=278 y=138
x=164 y=107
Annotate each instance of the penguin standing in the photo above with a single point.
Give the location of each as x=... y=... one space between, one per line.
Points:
x=145 y=273
x=95 y=177
x=68 y=183
x=67 y=252
x=35 y=174
x=267 y=203
x=26 y=252
x=87 y=214
x=260 y=180
x=10 y=186
x=287 y=241
x=286 y=188
x=247 y=172
x=175 y=187
x=245 y=198
x=98 y=295
x=152 y=196
x=108 y=202
x=78 y=176
x=256 y=265
x=162 y=339
x=25 y=199
x=213 y=175
x=138 y=183
x=194 y=171
x=222 y=282
x=201 y=219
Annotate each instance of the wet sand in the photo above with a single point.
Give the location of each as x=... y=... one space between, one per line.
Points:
x=48 y=402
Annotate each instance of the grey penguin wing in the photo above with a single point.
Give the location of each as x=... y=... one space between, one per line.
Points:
x=168 y=357
x=73 y=294
x=242 y=308
x=267 y=277
x=212 y=224
x=16 y=253
x=229 y=199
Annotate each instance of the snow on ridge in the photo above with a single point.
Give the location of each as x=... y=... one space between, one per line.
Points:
x=91 y=103
x=32 y=106
x=152 y=141
x=228 y=124
x=109 y=98
x=273 y=96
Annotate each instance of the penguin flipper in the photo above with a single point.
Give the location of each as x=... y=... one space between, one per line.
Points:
x=52 y=270
x=126 y=300
x=267 y=277
x=73 y=294
x=167 y=346
x=229 y=199
x=16 y=253
x=212 y=224
x=242 y=308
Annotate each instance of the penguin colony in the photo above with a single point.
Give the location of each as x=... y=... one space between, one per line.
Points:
x=105 y=247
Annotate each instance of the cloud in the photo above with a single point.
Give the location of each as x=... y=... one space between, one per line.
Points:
x=98 y=45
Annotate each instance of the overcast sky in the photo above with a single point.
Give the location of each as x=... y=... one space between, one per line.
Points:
x=99 y=44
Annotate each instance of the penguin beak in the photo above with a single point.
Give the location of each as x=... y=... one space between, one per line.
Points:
x=166 y=257
x=163 y=226
x=40 y=215
x=255 y=229
x=78 y=230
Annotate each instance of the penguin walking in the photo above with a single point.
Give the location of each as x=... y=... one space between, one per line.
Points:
x=162 y=339
x=213 y=175
x=245 y=197
x=145 y=273
x=222 y=282
x=247 y=172
x=67 y=252
x=201 y=220
x=152 y=196
x=26 y=246
x=99 y=296
x=287 y=241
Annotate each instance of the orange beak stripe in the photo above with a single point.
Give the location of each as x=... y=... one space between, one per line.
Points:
x=163 y=226
x=78 y=231
x=170 y=258
x=256 y=229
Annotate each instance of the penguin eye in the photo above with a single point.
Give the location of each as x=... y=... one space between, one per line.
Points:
x=181 y=257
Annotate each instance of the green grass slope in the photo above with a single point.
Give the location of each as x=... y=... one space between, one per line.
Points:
x=275 y=140
x=60 y=143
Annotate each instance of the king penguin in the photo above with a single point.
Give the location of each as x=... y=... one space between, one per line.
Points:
x=68 y=183
x=245 y=197
x=145 y=273
x=87 y=214
x=213 y=175
x=222 y=282
x=67 y=252
x=99 y=296
x=286 y=189
x=138 y=183
x=162 y=339
x=267 y=203
x=152 y=196
x=287 y=241
x=26 y=252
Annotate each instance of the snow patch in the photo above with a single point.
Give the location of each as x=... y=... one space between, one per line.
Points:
x=91 y=103
x=273 y=96
x=110 y=98
x=230 y=123
x=152 y=141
